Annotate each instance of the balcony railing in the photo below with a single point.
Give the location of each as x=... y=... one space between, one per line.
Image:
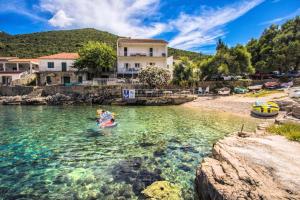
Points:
x=129 y=71
x=143 y=55
x=138 y=54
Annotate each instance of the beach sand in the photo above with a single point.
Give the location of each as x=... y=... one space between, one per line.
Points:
x=234 y=104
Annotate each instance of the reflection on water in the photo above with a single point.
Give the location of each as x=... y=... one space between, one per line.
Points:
x=59 y=153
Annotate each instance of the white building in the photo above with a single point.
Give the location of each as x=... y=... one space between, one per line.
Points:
x=135 y=54
x=58 y=69
x=13 y=68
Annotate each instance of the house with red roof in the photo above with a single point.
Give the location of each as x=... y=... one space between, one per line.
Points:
x=59 y=69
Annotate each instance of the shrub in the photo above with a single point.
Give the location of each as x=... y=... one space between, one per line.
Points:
x=289 y=130
x=155 y=77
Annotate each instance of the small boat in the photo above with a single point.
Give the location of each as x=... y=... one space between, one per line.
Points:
x=268 y=109
x=255 y=87
x=271 y=85
x=240 y=90
x=224 y=91
x=109 y=126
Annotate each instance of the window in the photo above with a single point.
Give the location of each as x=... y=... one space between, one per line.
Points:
x=50 y=64
x=151 y=64
x=126 y=65
x=125 y=51
x=64 y=66
x=79 y=79
x=137 y=65
x=151 y=52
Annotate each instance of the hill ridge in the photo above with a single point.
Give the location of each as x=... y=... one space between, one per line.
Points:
x=32 y=45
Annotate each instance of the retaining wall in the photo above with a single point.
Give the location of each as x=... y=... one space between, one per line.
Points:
x=15 y=90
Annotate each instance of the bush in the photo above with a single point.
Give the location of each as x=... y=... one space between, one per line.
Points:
x=289 y=130
x=155 y=77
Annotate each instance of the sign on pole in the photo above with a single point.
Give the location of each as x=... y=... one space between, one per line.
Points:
x=128 y=94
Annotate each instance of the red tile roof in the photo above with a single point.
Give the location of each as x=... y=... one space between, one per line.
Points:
x=130 y=40
x=66 y=56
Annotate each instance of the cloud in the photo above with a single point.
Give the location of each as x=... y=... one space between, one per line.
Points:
x=281 y=19
x=195 y=31
x=121 y=17
x=136 y=18
x=60 y=19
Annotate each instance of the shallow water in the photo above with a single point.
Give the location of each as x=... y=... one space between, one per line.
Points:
x=58 y=152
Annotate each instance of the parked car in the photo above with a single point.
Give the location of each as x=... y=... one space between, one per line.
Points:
x=214 y=77
x=293 y=74
x=261 y=75
x=227 y=77
x=277 y=74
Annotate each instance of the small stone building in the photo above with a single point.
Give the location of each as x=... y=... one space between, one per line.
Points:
x=58 y=69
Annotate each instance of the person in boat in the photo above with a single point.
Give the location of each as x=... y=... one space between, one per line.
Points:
x=107 y=123
x=104 y=116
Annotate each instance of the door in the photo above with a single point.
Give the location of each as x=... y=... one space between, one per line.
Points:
x=4 y=80
x=48 y=80
x=63 y=66
x=66 y=80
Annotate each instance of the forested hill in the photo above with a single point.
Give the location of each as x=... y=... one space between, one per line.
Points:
x=44 y=43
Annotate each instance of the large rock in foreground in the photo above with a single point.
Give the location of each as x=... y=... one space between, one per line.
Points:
x=251 y=168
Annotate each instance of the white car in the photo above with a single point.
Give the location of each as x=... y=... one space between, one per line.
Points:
x=294 y=92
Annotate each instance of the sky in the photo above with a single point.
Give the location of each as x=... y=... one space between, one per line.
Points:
x=193 y=25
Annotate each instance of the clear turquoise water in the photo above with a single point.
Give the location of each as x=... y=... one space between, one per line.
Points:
x=58 y=152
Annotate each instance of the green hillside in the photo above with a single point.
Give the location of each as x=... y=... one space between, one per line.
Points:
x=44 y=43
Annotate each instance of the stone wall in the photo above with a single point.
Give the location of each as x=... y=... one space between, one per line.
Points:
x=15 y=90
x=114 y=91
x=57 y=77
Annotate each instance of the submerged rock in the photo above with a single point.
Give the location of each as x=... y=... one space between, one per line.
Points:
x=162 y=190
x=80 y=175
x=132 y=172
x=250 y=168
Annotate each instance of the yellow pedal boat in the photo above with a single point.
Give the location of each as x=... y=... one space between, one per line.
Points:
x=265 y=109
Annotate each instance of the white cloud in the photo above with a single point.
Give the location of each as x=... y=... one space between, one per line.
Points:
x=203 y=29
x=136 y=18
x=122 y=17
x=60 y=19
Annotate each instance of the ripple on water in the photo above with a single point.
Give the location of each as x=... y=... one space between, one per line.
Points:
x=58 y=152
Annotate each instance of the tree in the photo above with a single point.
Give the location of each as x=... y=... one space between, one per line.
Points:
x=277 y=48
x=155 y=77
x=95 y=57
x=241 y=60
x=235 y=60
x=185 y=72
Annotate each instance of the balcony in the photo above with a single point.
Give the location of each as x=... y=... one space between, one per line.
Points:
x=129 y=71
x=155 y=55
x=138 y=54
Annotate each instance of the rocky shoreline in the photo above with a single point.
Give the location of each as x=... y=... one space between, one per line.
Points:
x=89 y=99
x=250 y=166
